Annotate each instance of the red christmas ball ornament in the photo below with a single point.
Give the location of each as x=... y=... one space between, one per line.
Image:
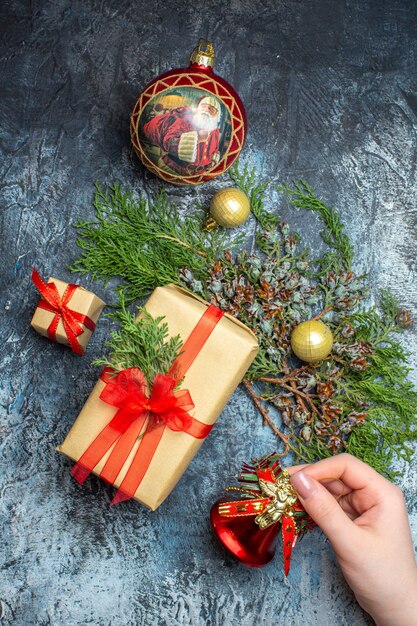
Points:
x=189 y=125
x=248 y=543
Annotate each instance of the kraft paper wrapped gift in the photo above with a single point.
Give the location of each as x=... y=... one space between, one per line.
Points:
x=83 y=303
x=211 y=380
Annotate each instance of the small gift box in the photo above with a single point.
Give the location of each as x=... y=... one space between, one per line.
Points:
x=66 y=313
x=142 y=437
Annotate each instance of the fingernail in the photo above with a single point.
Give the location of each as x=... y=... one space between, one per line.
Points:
x=303 y=484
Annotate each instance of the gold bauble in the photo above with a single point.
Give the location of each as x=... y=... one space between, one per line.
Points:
x=312 y=341
x=229 y=207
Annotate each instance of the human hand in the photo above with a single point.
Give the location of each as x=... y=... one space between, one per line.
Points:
x=365 y=519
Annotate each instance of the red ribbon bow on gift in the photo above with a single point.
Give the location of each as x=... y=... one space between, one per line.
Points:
x=165 y=408
x=72 y=320
x=127 y=392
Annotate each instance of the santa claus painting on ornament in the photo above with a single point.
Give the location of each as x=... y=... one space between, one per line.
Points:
x=186 y=131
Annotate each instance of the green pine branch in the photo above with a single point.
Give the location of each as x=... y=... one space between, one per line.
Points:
x=143 y=242
x=141 y=342
x=301 y=196
x=358 y=399
x=246 y=180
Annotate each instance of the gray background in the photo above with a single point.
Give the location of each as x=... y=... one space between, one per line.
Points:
x=330 y=88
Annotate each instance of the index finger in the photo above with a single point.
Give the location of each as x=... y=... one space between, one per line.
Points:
x=354 y=473
x=336 y=486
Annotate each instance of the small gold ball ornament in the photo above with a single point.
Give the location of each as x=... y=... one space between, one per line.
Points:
x=311 y=341
x=228 y=208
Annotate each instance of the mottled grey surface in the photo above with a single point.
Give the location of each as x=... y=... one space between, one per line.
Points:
x=330 y=88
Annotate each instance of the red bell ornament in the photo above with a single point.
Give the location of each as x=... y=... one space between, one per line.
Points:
x=251 y=545
x=249 y=528
x=189 y=125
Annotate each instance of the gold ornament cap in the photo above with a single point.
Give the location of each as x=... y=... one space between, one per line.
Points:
x=312 y=341
x=203 y=54
x=228 y=208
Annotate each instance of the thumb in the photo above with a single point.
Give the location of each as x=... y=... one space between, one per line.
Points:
x=324 y=510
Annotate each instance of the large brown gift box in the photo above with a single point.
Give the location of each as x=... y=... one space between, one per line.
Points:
x=82 y=301
x=211 y=380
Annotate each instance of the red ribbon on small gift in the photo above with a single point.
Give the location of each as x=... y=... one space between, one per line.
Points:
x=164 y=407
x=72 y=320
